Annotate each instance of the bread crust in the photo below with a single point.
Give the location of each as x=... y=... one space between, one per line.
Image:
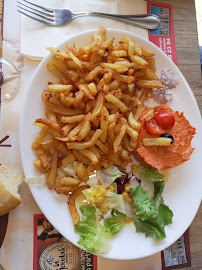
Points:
x=7 y=200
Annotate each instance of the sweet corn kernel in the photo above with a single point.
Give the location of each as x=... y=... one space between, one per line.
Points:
x=127 y=187
x=134 y=168
x=112 y=188
x=101 y=189
x=125 y=195
x=94 y=194
x=103 y=208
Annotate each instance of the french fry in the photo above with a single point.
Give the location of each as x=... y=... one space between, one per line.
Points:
x=87 y=153
x=40 y=137
x=98 y=106
x=50 y=180
x=72 y=119
x=104 y=124
x=72 y=205
x=133 y=123
x=156 y=141
x=70 y=158
x=132 y=133
x=51 y=124
x=61 y=111
x=81 y=158
x=65 y=190
x=82 y=172
x=84 y=131
x=111 y=99
x=41 y=154
x=48 y=144
x=104 y=148
x=139 y=60
x=84 y=145
x=111 y=131
x=38 y=164
x=55 y=71
x=119 y=137
x=58 y=88
x=149 y=84
x=149 y=115
x=69 y=181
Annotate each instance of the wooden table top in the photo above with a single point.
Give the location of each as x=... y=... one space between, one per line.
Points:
x=186 y=38
x=188 y=61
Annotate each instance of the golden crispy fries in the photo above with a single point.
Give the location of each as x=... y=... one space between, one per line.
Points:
x=69 y=181
x=111 y=99
x=50 y=180
x=132 y=133
x=139 y=60
x=65 y=190
x=51 y=124
x=133 y=123
x=48 y=144
x=56 y=71
x=104 y=124
x=93 y=73
x=149 y=115
x=41 y=154
x=84 y=131
x=61 y=111
x=84 y=145
x=156 y=141
x=82 y=172
x=104 y=148
x=98 y=106
x=147 y=53
x=92 y=110
x=58 y=88
x=72 y=119
x=111 y=131
x=149 y=84
x=119 y=137
x=70 y=158
x=81 y=158
x=40 y=137
x=152 y=64
x=39 y=165
x=72 y=206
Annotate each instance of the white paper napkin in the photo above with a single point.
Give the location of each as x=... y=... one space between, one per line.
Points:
x=36 y=37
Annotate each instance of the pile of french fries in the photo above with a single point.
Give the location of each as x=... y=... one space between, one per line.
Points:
x=92 y=111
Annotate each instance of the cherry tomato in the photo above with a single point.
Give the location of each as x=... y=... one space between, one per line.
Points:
x=153 y=127
x=164 y=119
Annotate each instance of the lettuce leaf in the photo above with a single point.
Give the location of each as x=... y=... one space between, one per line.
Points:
x=109 y=175
x=153 y=215
x=144 y=207
x=36 y=180
x=87 y=228
x=155 y=226
x=95 y=240
x=147 y=176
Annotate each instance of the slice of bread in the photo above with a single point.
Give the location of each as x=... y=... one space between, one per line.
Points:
x=9 y=196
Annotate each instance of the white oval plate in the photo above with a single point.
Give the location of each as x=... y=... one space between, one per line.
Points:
x=182 y=192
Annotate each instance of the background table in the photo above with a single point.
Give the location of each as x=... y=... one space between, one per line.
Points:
x=188 y=61
x=186 y=38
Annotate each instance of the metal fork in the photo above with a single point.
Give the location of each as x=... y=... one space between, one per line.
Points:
x=56 y=17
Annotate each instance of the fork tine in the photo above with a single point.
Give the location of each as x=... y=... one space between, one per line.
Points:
x=41 y=12
x=45 y=18
x=34 y=18
x=44 y=8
